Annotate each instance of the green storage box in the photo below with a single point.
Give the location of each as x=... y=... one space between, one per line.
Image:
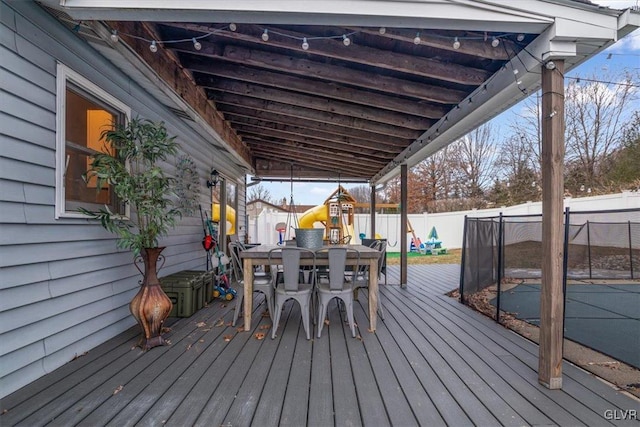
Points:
x=208 y=282
x=186 y=291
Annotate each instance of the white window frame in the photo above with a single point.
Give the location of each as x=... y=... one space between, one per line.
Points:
x=65 y=75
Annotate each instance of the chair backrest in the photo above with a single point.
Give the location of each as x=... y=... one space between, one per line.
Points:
x=291 y=256
x=338 y=264
x=383 y=254
x=236 y=264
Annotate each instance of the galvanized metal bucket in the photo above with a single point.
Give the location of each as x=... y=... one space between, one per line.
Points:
x=310 y=238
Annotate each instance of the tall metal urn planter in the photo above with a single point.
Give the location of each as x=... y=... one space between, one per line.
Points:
x=130 y=170
x=150 y=306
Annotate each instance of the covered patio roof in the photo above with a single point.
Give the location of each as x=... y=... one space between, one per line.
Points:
x=347 y=90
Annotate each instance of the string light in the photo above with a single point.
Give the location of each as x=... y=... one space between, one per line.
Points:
x=153 y=48
x=550 y=65
x=346 y=38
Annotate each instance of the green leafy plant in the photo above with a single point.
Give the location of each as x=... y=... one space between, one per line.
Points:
x=138 y=181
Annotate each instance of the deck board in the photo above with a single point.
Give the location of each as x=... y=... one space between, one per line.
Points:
x=431 y=362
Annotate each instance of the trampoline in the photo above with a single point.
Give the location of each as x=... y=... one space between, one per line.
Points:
x=602 y=316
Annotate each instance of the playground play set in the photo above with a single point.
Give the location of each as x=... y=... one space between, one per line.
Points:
x=336 y=214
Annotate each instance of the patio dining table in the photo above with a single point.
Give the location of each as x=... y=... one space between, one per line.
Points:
x=259 y=255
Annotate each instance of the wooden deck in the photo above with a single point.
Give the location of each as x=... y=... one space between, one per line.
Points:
x=431 y=362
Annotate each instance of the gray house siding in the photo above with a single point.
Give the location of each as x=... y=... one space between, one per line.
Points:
x=64 y=285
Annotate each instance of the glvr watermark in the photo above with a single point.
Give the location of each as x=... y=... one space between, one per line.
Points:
x=621 y=414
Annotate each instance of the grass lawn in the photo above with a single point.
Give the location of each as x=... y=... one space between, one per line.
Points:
x=451 y=257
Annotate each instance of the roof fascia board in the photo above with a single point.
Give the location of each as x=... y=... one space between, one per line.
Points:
x=445 y=14
x=628 y=21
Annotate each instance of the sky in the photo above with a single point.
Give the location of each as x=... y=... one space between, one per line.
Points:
x=624 y=54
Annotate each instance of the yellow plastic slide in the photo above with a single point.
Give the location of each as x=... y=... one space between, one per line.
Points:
x=315 y=214
x=231 y=217
x=320 y=213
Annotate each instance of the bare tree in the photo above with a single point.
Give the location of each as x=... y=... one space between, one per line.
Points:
x=518 y=164
x=595 y=115
x=259 y=192
x=527 y=128
x=362 y=193
x=475 y=156
x=435 y=178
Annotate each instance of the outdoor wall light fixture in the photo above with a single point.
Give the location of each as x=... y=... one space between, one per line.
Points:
x=215 y=178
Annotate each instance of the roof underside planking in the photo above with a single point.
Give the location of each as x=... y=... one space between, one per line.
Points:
x=352 y=110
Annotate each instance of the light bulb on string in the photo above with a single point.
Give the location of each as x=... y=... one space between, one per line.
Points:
x=495 y=42
x=114 y=36
x=382 y=30
x=153 y=48
x=233 y=26
x=520 y=37
x=456 y=43
x=305 y=44
x=416 y=39
x=346 y=40
x=265 y=35
x=196 y=44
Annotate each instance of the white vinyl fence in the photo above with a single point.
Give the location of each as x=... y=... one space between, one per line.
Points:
x=448 y=225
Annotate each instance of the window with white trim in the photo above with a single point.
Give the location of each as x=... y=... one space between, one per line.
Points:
x=84 y=112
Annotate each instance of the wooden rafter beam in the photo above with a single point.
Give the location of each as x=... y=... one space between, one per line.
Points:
x=335 y=49
x=224 y=89
x=370 y=153
x=288 y=170
x=332 y=73
x=321 y=163
x=477 y=48
x=371 y=122
x=242 y=123
x=340 y=125
x=313 y=156
x=263 y=119
x=168 y=68
x=318 y=88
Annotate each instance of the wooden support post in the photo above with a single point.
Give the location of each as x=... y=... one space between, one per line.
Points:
x=403 y=225
x=551 y=297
